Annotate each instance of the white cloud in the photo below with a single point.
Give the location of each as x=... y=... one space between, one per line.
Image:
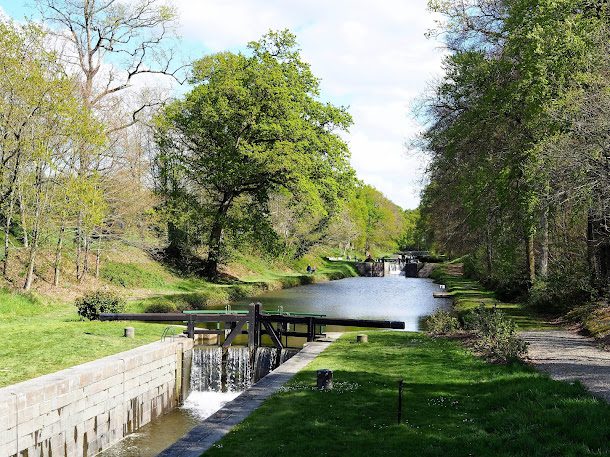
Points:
x=371 y=56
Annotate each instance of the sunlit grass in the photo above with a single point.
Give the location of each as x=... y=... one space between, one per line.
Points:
x=38 y=336
x=469 y=294
x=454 y=405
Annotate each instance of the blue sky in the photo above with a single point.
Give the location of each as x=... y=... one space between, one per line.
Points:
x=370 y=56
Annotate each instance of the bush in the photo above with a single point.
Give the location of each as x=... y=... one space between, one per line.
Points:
x=161 y=307
x=497 y=338
x=91 y=305
x=442 y=323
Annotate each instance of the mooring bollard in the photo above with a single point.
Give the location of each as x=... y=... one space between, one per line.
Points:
x=362 y=338
x=325 y=379
x=129 y=332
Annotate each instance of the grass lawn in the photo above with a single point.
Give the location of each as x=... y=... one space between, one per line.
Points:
x=39 y=337
x=468 y=294
x=454 y=405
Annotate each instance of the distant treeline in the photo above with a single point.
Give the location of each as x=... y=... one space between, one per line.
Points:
x=517 y=133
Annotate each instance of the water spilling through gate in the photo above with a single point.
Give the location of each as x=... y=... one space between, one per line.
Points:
x=215 y=369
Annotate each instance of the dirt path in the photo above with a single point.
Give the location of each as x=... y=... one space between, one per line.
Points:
x=568 y=356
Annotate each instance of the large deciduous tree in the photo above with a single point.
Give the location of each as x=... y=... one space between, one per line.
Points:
x=252 y=125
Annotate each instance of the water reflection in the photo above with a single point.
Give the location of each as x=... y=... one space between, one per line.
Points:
x=390 y=298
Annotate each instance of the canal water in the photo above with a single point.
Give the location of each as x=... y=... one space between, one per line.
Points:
x=392 y=297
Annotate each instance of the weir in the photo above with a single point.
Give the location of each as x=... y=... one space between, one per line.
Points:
x=216 y=370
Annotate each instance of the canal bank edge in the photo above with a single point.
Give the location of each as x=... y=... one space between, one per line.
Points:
x=205 y=435
x=82 y=410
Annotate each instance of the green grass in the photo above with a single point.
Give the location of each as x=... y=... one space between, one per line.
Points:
x=454 y=405
x=38 y=337
x=130 y=275
x=468 y=294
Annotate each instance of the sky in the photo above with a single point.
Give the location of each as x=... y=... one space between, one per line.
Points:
x=372 y=57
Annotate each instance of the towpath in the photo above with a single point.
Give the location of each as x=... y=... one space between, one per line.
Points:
x=568 y=356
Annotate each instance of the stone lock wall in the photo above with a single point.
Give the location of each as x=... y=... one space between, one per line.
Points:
x=85 y=409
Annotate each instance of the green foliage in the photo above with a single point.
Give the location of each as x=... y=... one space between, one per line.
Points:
x=380 y=222
x=92 y=304
x=442 y=323
x=514 y=134
x=413 y=236
x=497 y=337
x=251 y=126
x=161 y=307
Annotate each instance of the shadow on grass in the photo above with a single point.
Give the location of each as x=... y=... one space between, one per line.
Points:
x=454 y=405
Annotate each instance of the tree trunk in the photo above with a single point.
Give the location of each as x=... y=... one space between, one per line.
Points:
x=489 y=251
x=592 y=252
x=24 y=227
x=57 y=262
x=79 y=245
x=531 y=258
x=216 y=235
x=35 y=229
x=86 y=256
x=98 y=254
x=7 y=232
x=544 y=245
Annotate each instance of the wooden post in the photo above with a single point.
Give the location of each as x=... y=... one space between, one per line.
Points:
x=254 y=325
x=311 y=329
x=190 y=328
x=400 y=386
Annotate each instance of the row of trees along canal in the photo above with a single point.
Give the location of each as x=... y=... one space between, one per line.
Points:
x=518 y=139
x=91 y=155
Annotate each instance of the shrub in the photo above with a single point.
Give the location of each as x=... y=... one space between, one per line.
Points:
x=161 y=307
x=497 y=338
x=92 y=304
x=442 y=323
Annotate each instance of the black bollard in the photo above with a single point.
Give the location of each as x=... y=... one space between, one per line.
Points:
x=325 y=379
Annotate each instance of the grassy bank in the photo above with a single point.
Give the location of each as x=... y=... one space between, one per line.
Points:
x=454 y=405
x=468 y=294
x=594 y=319
x=254 y=278
x=40 y=334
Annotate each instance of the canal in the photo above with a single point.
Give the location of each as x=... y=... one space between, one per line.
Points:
x=393 y=297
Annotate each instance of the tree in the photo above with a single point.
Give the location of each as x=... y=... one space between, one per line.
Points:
x=251 y=126
x=109 y=45
x=501 y=179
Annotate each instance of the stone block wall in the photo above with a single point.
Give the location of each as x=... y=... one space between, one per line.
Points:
x=85 y=409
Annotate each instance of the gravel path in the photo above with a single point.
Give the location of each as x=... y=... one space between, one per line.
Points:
x=567 y=356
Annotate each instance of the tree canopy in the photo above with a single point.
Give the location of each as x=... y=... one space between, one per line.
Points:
x=508 y=180
x=252 y=125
